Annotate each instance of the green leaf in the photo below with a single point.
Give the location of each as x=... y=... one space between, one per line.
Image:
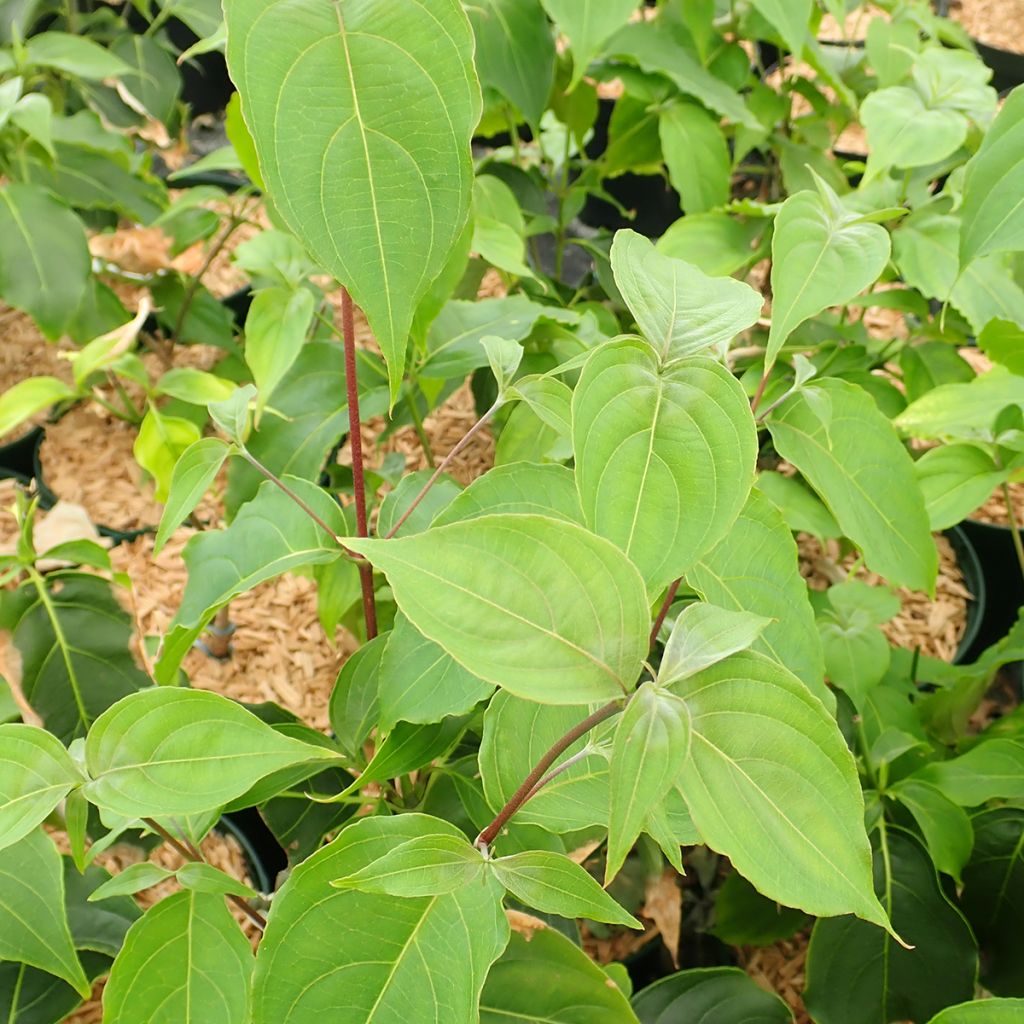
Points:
x=587 y=24
x=271 y=535
x=771 y=784
x=945 y=827
x=135 y=878
x=515 y=52
x=354 y=708
x=36 y=773
x=565 y=620
x=664 y=458
x=33 y=114
x=44 y=261
x=193 y=474
x=357 y=957
x=552 y=883
x=421 y=682
x=929 y=364
x=856 y=656
x=442 y=492
x=74 y=55
x=955 y=479
x=802 y=509
x=703 y=635
x=994 y=769
x=28 y=397
x=743 y=917
x=577 y=797
x=35 y=928
x=848 y=451
x=547 y=978
x=168 y=751
x=232 y=413
x=697 y=156
x=858 y=974
x=652 y=740
x=398 y=103
x=962 y=411
x=154 y=80
x=678 y=308
x=197 y=387
x=992 y=214
x=822 y=255
x=754 y=569
x=716 y=243
x=74 y=641
x=504 y=358
x=983 y=1011
x=241 y=141
x=432 y=865
x=712 y=995
x=205 y=966
x=275 y=331
x=1003 y=342
x=408 y=747
x=993 y=896
x=199 y=877
x=161 y=441
x=790 y=19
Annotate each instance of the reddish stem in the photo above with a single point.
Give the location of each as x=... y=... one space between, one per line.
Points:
x=665 y=605
x=759 y=393
x=358 y=472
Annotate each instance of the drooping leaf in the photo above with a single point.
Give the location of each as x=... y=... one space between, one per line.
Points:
x=357 y=956
x=754 y=569
x=564 y=622
x=651 y=743
x=697 y=156
x=704 y=634
x=848 y=451
x=857 y=974
x=275 y=331
x=553 y=883
x=712 y=995
x=169 y=751
x=193 y=474
x=44 y=261
x=74 y=640
x=743 y=917
x=205 y=966
x=678 y=308
x=36 y=773
x=587 y=24
x=994 y=769
x=945 y=827
x=664 y=458
x=772 y=785
x=270 y=536
x=398 y=100
x=36 y=928
x=822 y=255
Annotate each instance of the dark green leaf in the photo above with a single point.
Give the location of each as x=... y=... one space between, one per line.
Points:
x=715 y=995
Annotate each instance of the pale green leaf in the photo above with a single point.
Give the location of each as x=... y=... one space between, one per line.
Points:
x=231 y=414
x=848 y=451
x=197 y=387
x=36 y=773
x=802 y=509
x=193 y=474
x=161 y=441
x=205 y=966
x=945 y=826
x=520 y=488
x=504 y=357
x=771 y=784
x=716 y=243
x=275 y=330
x=387 y=140
x=396 y=502
x=552 y=883
x=963 y=411
x=33 y=114
x=704 y=634
x=992 y=770
x=563 y=621
x=587 y=24
x=28 y=397
x=664 y=458
x=75 y=55
x=678 y=308
x=790 y=19
x=200 y=877
x=983 y=1011
x=1003 y=342
x=134 y=878
x=955 y=479
x=354 y=708
x=168 y=751
x=697 y=156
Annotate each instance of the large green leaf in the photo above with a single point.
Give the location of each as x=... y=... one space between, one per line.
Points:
x=833 y=432
x=563 y=621
x=790 y=19
x=678 y=308
x=205 y=966
x=945 y=827
x=36 y=773
x=31 y=996
x=270 y=536
x=754 y=569
x=993 y=897
x=696 y=155
x=994 y=769
x=36 y=928
x=355 y=957
x=955 y=479
x=982 y=1011
x=375 y=175
x=664 y=457
x=170 y=751
x=712 y=995
x=587 y=24
x=74 y=55
x=74 y=640
x=962 y=411
x=515 y=52
x=822 y=255
x=858 y=974
x=44 y=259
x=772 y=785
x=547 y=978
x=993 y=211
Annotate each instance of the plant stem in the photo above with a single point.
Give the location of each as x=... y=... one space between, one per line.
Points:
x=530 y=783
x=193 y=855
x=358 y=472
x=1018 y=545
x=445 y=463
x=759 y=393
x=663 y=611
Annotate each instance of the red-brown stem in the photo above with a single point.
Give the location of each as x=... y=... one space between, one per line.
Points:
x=348 y=330
x=446 y=462
x=759 y=393
x=192 y=854
x=529 y=786
x=663 y=611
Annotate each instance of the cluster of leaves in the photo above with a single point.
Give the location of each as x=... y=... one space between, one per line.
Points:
x=605 y=642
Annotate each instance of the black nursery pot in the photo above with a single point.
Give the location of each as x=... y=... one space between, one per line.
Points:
x=974 y=579
x=265 y=857
x=18 y=459
x=1002 y=580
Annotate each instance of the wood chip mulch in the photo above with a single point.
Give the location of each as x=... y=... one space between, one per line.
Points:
x=995 y=510
x=780 y=968
x=998 y=23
